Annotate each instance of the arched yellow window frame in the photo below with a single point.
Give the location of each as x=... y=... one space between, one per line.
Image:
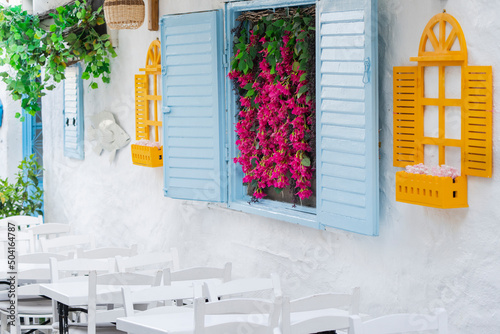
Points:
x=442 y=44
x=147 y=99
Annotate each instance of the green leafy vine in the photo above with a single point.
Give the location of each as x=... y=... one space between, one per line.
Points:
x=29 y=46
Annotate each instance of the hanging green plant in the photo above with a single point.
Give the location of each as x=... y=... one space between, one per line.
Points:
x=28 y=47
x=273 y=74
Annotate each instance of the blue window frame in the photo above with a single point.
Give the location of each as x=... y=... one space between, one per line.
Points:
x=73 y=113
x=32 y=132
x=199 y=133
x=1 y=112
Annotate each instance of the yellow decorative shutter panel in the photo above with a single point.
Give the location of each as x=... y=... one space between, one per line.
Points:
x=141 y=107
x=405 y=117
x=478 y=117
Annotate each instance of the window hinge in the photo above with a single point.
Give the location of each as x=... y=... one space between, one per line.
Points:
x=227 y=153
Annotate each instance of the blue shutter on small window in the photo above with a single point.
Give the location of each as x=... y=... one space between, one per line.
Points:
x=73 y=113
x=347 y=116
x=193 y=106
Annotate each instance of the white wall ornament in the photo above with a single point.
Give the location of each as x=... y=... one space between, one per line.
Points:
x=109 y=135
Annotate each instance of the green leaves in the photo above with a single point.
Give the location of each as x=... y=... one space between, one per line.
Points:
x=26 y=47
x=24 y=196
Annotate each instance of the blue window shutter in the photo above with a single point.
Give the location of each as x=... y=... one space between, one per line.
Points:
x=28 y=135
x=193 y=106
x=1 y=113
x=73 y=113
x=347 y=116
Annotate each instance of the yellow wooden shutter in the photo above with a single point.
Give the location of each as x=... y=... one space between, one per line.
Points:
x=141 y=107
x=405 y=117
x=478 y=120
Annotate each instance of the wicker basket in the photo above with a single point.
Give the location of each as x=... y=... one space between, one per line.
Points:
x=124 y=14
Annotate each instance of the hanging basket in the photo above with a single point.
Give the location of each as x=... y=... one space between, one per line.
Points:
x=124 y=14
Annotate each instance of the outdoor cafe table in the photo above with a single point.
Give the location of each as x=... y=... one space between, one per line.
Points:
x=75 y=294
x=179 y=323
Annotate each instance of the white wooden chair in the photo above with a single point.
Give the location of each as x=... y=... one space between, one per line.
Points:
x=34 y=312
x=245 y=287
x=22 y=221
x=266 y=290
x=67 y=243
x=198 y=274
x=159 y=299
x=107 y=252
x=402 y=323
x=319 y=313
x=46 y=231
x=69 y=269
x=23 y=237
x=148 y=261
x=238 y=315
x=100 y=320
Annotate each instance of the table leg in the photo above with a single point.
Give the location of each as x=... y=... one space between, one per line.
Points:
x=62 y=310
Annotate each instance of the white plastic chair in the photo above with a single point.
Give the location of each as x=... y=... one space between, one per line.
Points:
x=198 y=274
x=319 y=313
x=107 y=252
x=45 y=231
x=402 y=323
x=158 y=260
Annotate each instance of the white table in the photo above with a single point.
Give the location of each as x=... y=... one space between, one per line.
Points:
x=179 y=323
x=76 y=294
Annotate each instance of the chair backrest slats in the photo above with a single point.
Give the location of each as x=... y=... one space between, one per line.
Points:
x=402 y=323
x=107 y=252
x=157 y=260
x=198 y=273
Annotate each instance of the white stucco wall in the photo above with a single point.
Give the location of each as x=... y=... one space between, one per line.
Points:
x=423 y=258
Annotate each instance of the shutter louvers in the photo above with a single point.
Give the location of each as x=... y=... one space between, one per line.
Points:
x=141 y=107
x=73 y=113
x=478 y=120
x=405 y=118
x=193 y=106
x=347 y=116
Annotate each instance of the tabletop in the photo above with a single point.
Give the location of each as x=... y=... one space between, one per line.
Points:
x=76 y=293
x=179 y=323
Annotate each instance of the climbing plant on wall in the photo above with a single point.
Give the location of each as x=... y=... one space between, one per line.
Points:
x=29 y=46
x=273 y=71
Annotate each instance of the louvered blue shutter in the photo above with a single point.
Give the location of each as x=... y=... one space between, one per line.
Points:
x=193 y=108
x=347 y=116
x=73 y=113
x=1 y=113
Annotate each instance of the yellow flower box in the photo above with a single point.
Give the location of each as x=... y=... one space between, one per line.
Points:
x=434 y=191
x=147 y=156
